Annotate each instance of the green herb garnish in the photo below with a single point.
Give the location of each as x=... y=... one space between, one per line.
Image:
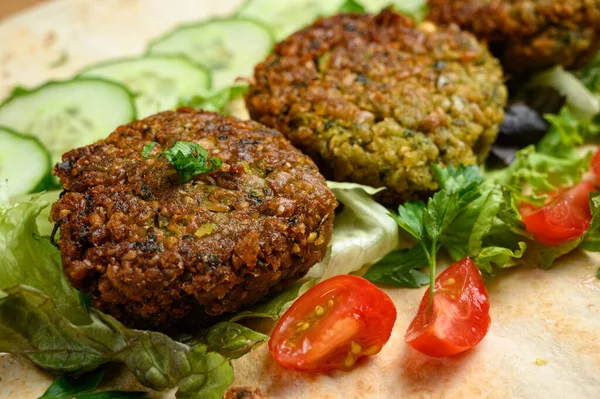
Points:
x=427 y=223
x=467 y=217
x=189 y=159
x=81 y=387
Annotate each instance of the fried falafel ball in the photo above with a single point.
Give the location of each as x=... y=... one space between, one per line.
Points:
x=528 y=35
x=150 y=250
x=375 y=100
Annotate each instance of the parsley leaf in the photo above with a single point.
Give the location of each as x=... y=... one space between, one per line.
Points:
x=466 y=217
x=410 y=218
x=189 y=159
x=400 y=268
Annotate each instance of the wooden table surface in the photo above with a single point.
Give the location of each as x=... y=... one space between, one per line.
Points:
x=9 y=7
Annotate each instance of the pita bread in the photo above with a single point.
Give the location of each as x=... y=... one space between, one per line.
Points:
x=543 y=342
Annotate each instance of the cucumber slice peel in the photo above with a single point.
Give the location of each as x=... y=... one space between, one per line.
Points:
x=68 y=114
x=24 y=162
x=228 y=47
x=159 y=82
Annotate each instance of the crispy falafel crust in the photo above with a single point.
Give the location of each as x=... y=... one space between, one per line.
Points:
x=374 y=100
x=149 y=249
x=529 y=35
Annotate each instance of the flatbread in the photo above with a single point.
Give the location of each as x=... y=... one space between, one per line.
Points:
x=543 y=342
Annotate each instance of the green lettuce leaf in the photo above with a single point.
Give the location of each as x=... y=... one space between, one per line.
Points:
x=32 y=325
x=44 y=225
x=541 y=172
x=3 y=192
x=499 y=256
x=112 y=395
x=231 y=340
x=590 y=75
x=44 y=319
x=28 y=258
x=65 y=387
x=363 y=232
x=81 y=387
x=275 y=307
x=580 y=100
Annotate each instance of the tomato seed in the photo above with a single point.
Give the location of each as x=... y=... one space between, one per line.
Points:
x=349 y=361
x=319 y=311
x=355 y=348
x=371 y=351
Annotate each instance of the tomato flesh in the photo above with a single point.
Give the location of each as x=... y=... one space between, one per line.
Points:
x=459 y=317
x=333 y=325
x=564 y=217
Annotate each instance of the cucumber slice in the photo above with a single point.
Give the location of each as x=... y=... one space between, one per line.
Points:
x=286 y=17
x=229 y=48
x=159 y=82
x=413 y=8
x=65 y=115
x=24 y=162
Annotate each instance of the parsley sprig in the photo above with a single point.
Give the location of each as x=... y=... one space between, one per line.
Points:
x=189 y=159
x=427 y=223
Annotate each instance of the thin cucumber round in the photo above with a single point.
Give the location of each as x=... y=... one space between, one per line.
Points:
x=229 y=48
x=159 y=82
x=24 y=162
x=69 y=114
x=413 y=8
x=286 y=17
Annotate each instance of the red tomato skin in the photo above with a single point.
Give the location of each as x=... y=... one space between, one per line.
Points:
x=595 y=164
x=453 y=325
x=565 y=217
x=366 y=313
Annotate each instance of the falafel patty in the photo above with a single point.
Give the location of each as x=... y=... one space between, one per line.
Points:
x=150 y=250
x=375 y=100
x=528 y=35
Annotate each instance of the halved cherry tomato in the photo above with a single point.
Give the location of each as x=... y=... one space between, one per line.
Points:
x=595 y=165
x=332 y=325
x=565 y=216
x=459 y=316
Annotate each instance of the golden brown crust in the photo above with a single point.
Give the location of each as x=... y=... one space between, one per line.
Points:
x=149 y=249
x=374 y=100
x=529 y=35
